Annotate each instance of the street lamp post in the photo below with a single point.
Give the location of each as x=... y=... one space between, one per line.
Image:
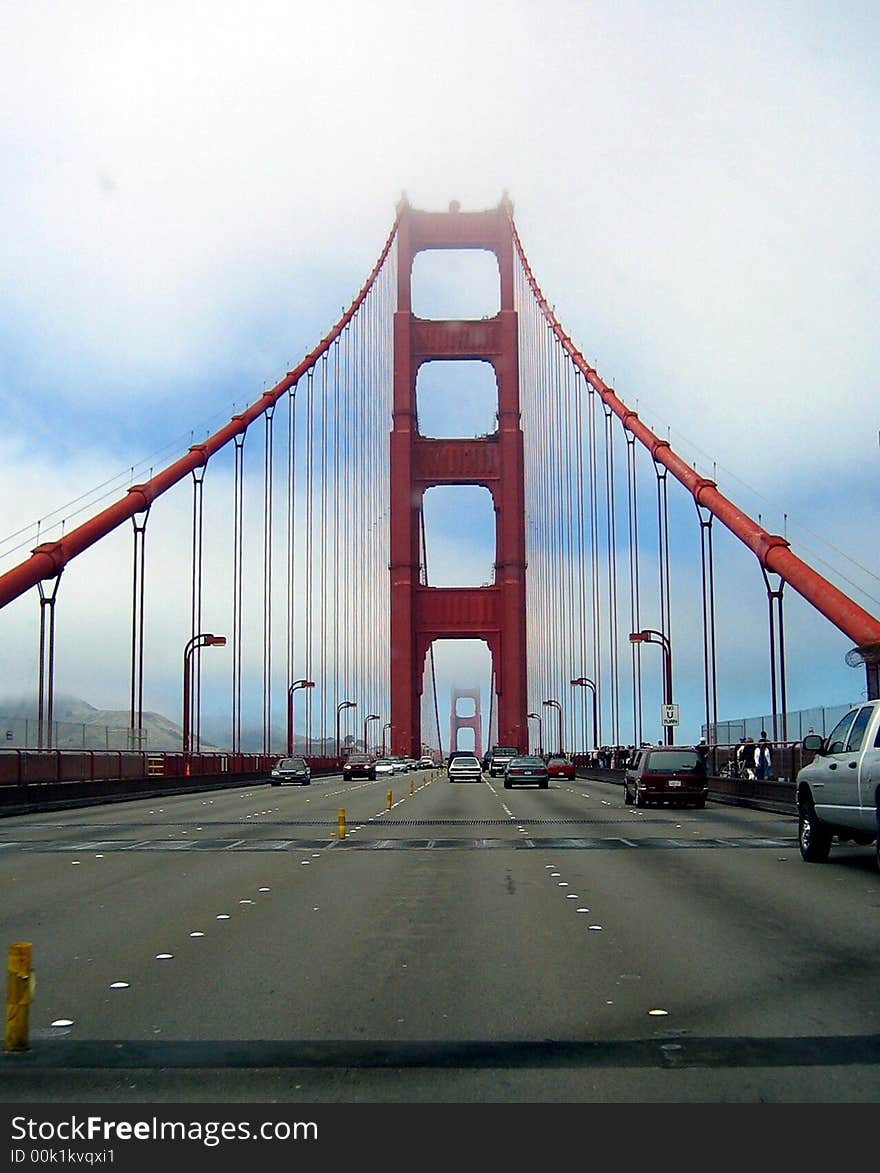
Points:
x=203 y=640
x=296 y=684
x=387 y=726
x=585 y=682
x=342 y=705
x=537 y=717
x=556 y=705
x=367 y=719
x=650 y=636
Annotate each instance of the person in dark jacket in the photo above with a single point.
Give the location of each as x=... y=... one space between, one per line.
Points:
x=763 y=759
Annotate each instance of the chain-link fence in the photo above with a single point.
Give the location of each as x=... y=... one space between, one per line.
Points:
x=24 y=733
x=798 y=724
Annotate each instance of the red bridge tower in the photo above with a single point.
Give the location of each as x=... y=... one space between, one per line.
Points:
x=459 y=721
x=421 y=614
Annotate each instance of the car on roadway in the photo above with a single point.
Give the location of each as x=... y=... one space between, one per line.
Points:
x=425 y=763
x=500 y=757
x=459 y=753
x=669 y=773
x=526 y=770
x=384 y=767
x=401 y=765
x=464 y=768
x=294 y=770
x=559 y=766
x=359 y=765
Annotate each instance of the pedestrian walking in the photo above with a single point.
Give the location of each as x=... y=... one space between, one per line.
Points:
x=763 y=759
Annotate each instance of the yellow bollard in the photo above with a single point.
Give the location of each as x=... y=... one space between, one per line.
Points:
x=341 y=824
x=19 y=986
x=412 y=788
x=388 y=801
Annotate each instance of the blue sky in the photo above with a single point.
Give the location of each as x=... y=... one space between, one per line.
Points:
x=191 y=192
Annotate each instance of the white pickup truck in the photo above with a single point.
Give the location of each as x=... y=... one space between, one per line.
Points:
x=838 y=793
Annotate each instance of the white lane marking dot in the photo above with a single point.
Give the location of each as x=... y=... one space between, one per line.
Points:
x=595 y=928
x=62 y=1022
x=549 y=866
x=582 y=910
x=245 y=902
x=99 y=857
x=119 y=985
x=571 y=896
x=562 y=884
x=222 y=916
x=555 y=875
x=305 y=861
x=164 y=956
x=73 y=862
x=658 y=1013
x=197 y=934
x=264 y=889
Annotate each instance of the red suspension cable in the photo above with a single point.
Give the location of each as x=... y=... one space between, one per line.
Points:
x=50 y=558
x=771 y=550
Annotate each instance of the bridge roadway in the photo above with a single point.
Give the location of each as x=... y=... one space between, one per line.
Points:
x=467 y=944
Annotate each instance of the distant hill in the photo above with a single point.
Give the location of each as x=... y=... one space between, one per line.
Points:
x=79 y=725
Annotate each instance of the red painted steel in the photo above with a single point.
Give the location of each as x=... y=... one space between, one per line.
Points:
x=457 y=721
x=420 y=614
x=50 y=558
x=771 y=550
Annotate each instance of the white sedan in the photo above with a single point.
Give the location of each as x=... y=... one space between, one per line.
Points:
x=464 y=769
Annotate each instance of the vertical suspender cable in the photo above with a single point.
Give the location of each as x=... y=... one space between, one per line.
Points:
x=195 y=694
x=136 y=720
x=558 y=521
x=291 y=534
x=707 y=566
x=310 y=441
x=635 y=620
x=611 y=533
x=347 y=500
x=582 y=602
x=237 y=579
x=267 y=577
x=572 y=614
x=594 y=559
x=339 y=633
x=663 y=543
x=46 y=698
x=323 y=544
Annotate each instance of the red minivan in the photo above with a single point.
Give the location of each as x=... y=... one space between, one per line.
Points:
x=667 y=773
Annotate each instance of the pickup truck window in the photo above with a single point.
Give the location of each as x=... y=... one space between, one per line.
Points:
x=857 y=733
x=837 y=736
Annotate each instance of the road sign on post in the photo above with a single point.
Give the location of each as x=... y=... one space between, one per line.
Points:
x=669 y=714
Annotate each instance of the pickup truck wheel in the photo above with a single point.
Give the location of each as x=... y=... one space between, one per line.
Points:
x=627 y=797
x=813 y=836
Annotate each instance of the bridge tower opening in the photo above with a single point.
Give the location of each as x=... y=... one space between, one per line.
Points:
x=496 y=612
x=470 y=721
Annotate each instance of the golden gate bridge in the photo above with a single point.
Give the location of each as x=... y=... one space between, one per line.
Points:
x=330 y=617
